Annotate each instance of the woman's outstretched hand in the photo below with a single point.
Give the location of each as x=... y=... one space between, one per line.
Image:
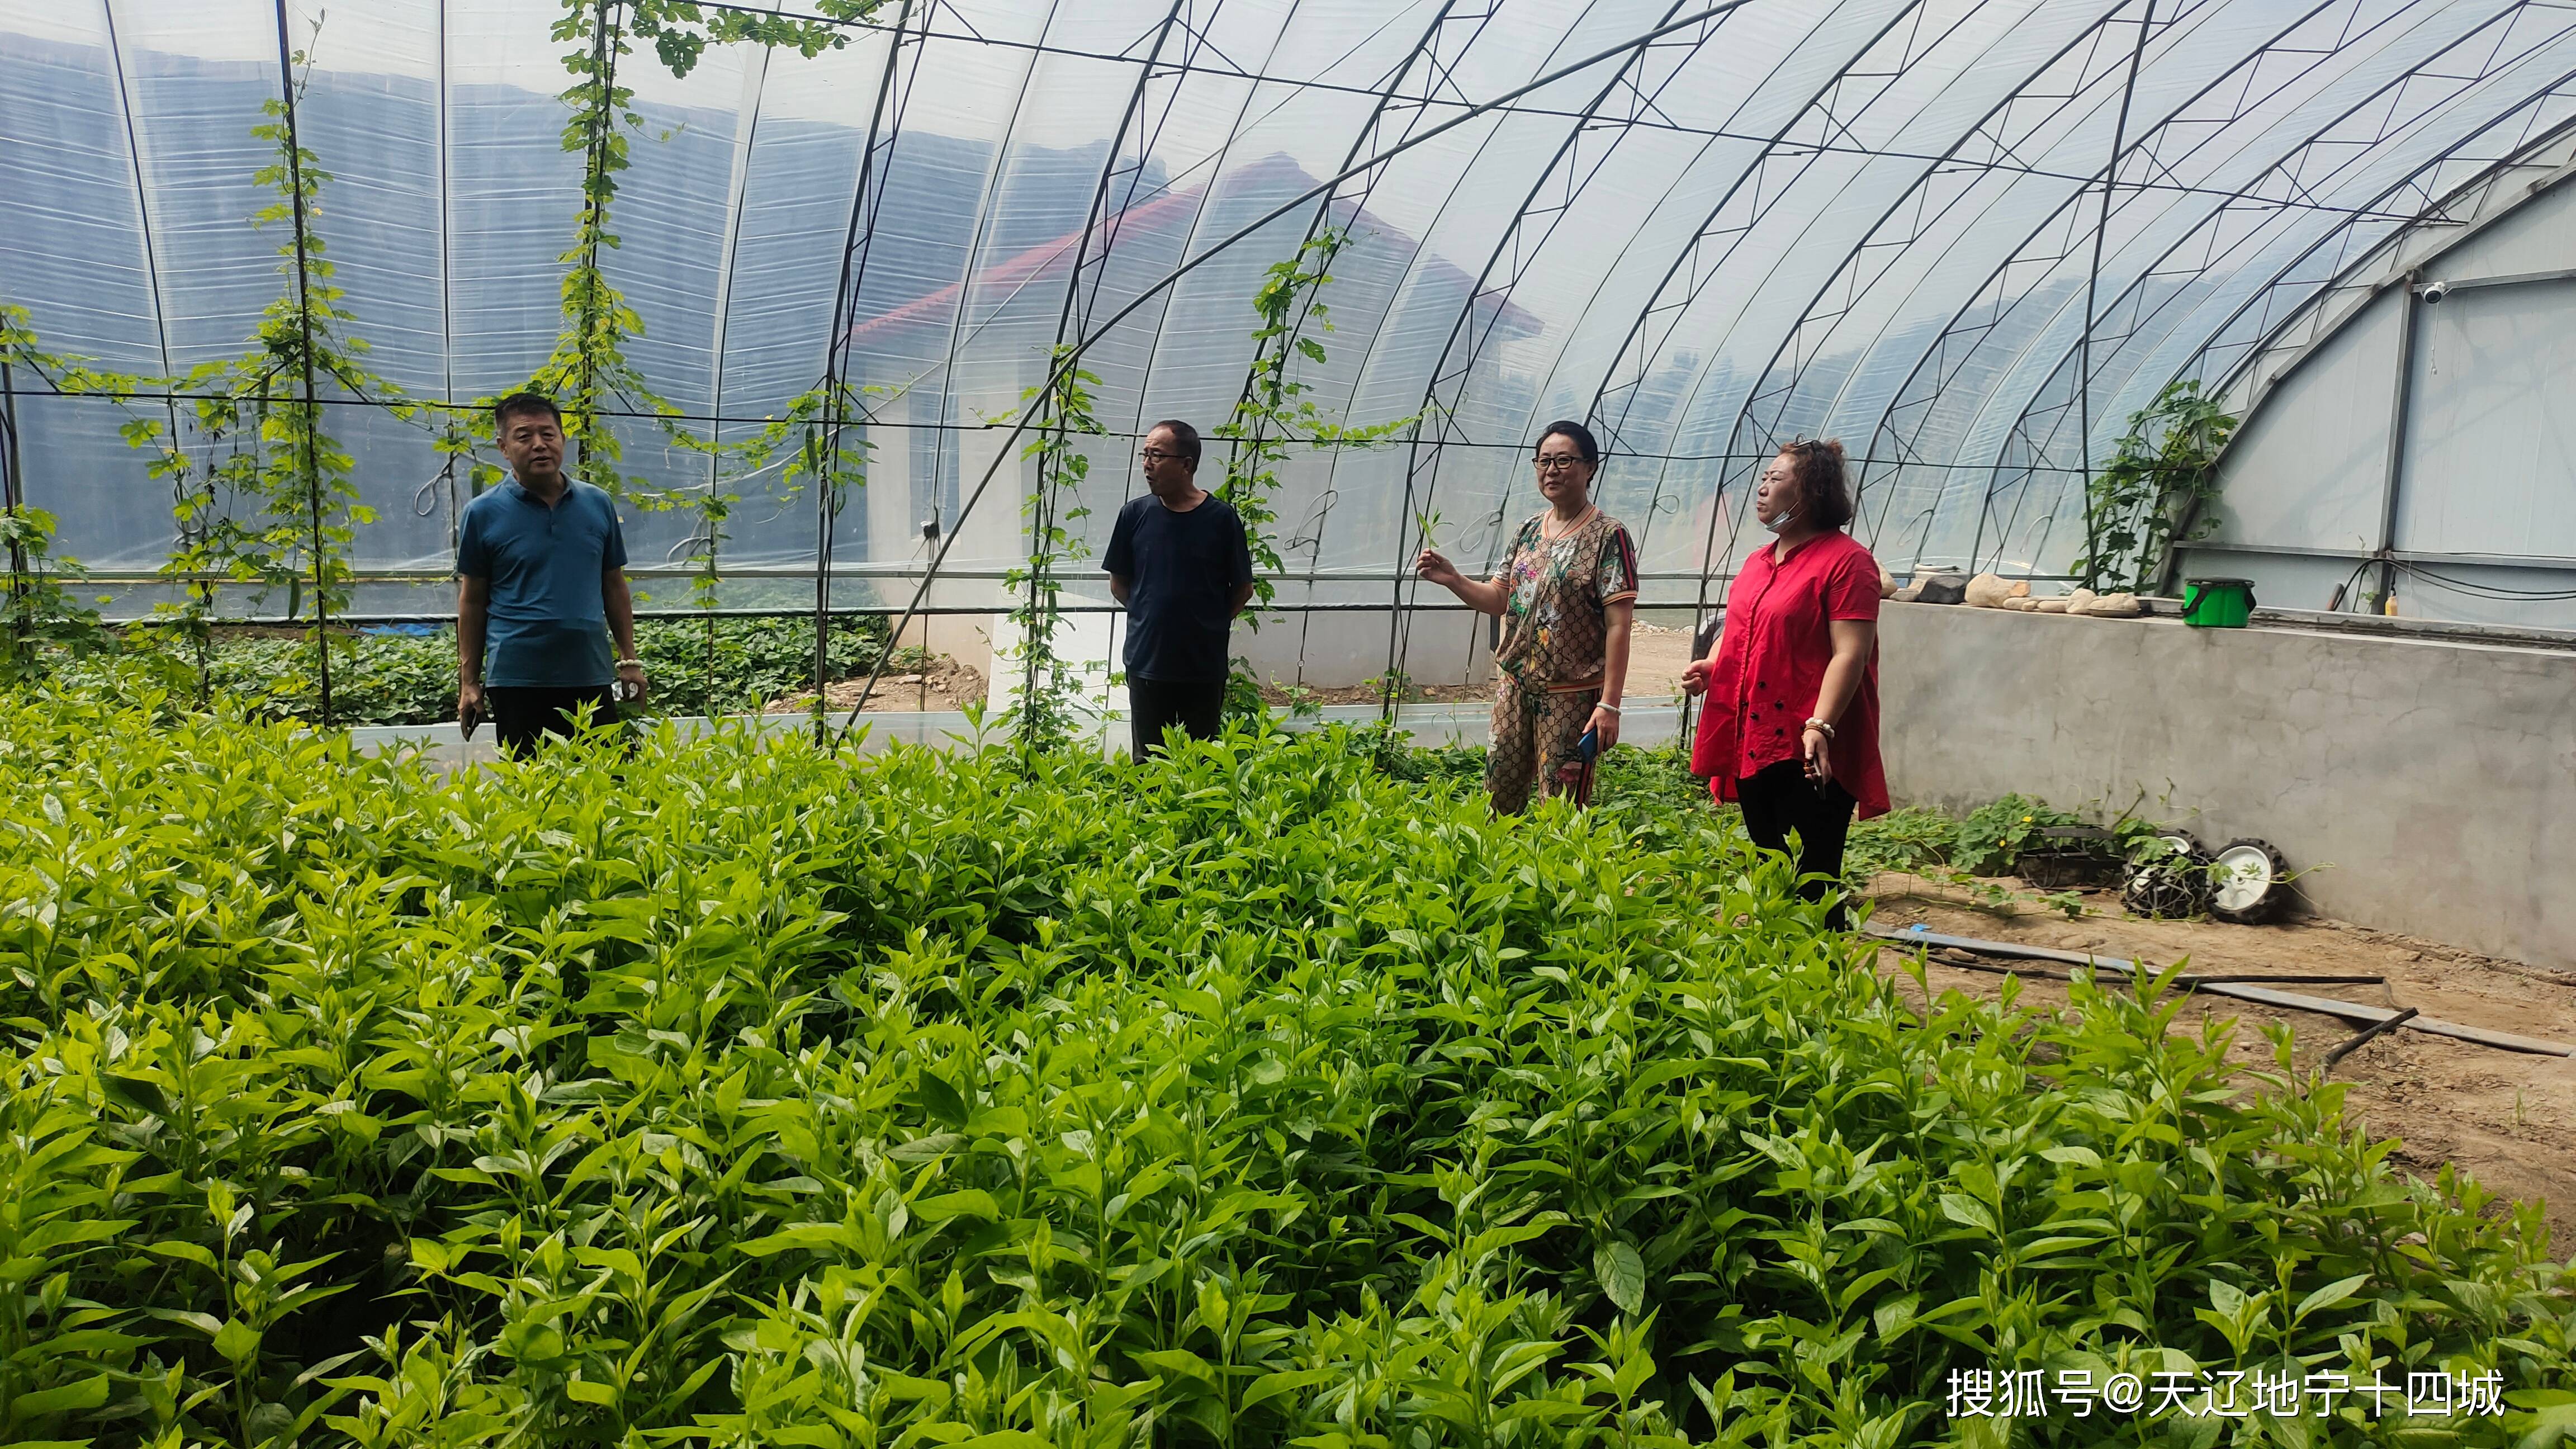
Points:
x=1435 y=568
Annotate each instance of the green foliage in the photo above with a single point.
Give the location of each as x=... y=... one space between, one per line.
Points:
x=2158 y=482
x=1276 y=411
x=263 y=496
x=756 y=1096
x=1059 y=410
x=38 y=616
x=1986 y=841
x=411 y=679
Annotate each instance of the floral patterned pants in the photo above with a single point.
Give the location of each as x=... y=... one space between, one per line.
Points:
x=1535 y=733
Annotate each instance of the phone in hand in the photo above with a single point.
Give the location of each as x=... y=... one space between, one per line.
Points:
x=467 y=718
x=1589 y=745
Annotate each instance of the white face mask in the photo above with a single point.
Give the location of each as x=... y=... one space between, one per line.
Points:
x=1781 y=520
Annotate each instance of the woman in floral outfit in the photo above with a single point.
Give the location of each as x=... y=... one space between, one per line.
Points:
x=1567 y=592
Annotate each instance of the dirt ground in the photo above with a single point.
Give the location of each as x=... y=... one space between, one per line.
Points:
x=2506 y=1118
x=1656 y=658
x=945 y=685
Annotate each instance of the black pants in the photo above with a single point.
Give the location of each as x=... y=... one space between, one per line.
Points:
x=1780 y=799
x=522 y=714
x=1198 y=708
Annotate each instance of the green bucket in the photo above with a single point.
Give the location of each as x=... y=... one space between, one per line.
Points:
x=2217 y=603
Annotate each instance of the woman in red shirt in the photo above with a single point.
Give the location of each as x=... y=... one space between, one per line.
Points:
x=1790 y=732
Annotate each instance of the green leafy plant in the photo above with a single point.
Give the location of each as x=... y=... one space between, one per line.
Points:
x=38 y=616
x=2155 y=486
x=1044 y=716
x=749 y=1092
x=411 y=679
x=1276 y=412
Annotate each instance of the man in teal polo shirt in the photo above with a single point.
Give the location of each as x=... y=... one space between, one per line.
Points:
x=541 y=585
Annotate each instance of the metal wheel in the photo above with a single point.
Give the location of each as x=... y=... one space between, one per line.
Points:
x=2250 y=882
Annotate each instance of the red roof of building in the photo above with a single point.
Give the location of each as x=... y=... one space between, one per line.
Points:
x=1169 y=209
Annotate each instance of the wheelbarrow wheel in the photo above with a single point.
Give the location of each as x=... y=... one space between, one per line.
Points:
x=2249 y=883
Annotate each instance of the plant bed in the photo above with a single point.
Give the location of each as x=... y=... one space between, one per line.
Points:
x=753 y=1095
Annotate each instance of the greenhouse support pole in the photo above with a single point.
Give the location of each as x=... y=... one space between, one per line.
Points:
x=2402 y=397
x=1170 y=279
x=855 y=247
x=2092 y=287
x=13 y=501
x=312 y=467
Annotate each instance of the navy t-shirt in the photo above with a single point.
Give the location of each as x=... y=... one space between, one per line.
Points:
x=548 y=626
x=1182 y=570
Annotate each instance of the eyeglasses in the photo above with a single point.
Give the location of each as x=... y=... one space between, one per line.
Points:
x=1157 y=455
x=1555 y=462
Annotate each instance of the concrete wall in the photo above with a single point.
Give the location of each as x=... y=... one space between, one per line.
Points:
x=2429 y=786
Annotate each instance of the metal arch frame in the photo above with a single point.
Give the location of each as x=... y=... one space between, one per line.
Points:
x=2078 y=41
x=2385 y=250
x=151 y=243
x=304 y=320
x=1424 y=56
x=1254 y=227
x=1941 y=342
x=2343 y=277
x=1436 y=74
x=1076 y=310
x=2466 y=89
x=1805 y=341
x=969 y=265
x=1804 y=157
x=1611 y=377
x=2017 y=433
x=1216 y=170
x=1374 y=173
x=2085 y=40
x=446 y=270
x=1442 y=416
x=1831 y=82
x=755 y=81
x=867 y=197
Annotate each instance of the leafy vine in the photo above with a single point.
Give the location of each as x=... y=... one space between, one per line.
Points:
x=2152 y=494
x=1276 y=413
x=1050 y=683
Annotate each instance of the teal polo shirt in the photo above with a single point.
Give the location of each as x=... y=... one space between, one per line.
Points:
x=548 y=626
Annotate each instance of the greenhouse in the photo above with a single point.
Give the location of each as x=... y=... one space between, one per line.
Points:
x=1266 y=722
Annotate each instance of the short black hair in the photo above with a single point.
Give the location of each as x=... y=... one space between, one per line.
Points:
x=1185 y=437
x=524 y=402
x=1575 y=433
x=1824 y=484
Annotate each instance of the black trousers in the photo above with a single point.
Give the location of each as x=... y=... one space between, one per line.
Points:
x=522 y=714
x=1198 y=708
x=1780 y=799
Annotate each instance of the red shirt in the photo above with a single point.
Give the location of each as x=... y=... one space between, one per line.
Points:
x=1771 y=667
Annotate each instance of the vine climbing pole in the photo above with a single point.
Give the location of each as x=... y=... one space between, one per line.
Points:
x=308 y=463
x=1063 y=408
x=13 y=504
x=1628 y=94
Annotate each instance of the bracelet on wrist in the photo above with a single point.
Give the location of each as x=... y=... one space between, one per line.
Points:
x=622 y=663
x=1614 y=709
x=1820 y=727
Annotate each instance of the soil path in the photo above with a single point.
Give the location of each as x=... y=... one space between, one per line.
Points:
x=2506 y=1118
x=944 y=685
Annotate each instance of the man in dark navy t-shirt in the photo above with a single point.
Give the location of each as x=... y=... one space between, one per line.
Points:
x=540 y=589
x=1180 y=562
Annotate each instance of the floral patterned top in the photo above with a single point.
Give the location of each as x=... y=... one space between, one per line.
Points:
x=1555 y=625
